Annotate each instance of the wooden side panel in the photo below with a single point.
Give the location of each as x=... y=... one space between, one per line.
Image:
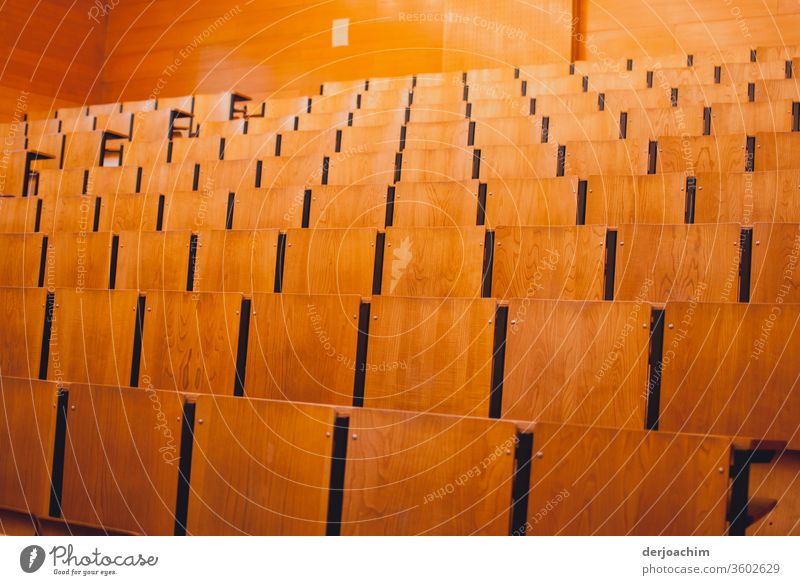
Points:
x=190 y=341
x=278 y=207
x=128 y=212
x=27 y=433
x=441 y=204
x=20 y=260
x=400 y=463
x=352 y=206
x=678 y=262
x=732 y=369
x=531 y=201
x=549 y=262
x=92 y=336
x=432 y=355
x=121 y=458
x=260 y=467
x=17 y=214
x=153 y=260
x=303 y=348
x=577 y=362
x=236 y=261
x=434 y=262
x=329 y=261
x=23 y=313
x=594 y=481
x=82 y=260
x=778 y=480
x=774 y=277
x=617 y=200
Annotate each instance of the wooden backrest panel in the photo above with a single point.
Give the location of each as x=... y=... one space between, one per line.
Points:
x=774 y=277
x=430 y=355
x=660 y=263
x=153 y=260
x=610 y=157
x=400 y=462
x=641 y=483
x=290 y=171
x=536 y=161
x=28 y=412
x=549 y=262
x=303 y=348
x=577 y=362
x=277 y=207
x=128 y=212
x=335 y=261
x=701 y=154
x=21 y=259
x=260 y=467
x=69 y=213
x=436 y=204
x=617 y=200
x=769 y=196
x=17 y=214
x=195 y=210
x=531 y=201
x=349 y=168
x=732 y=370
x=23 y=313
x=190 y=341
x=82 y=260
x=351 y=206
x=776 y=151
x=121 y=458
x=236 y=261
x=444 y=164
x=434 y=262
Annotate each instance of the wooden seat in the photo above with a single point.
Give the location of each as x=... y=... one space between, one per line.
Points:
x=516 y=130
x=622 y=100
x=148 y=155
x=272 y=207
x=189 y=341
x=329 y=261
x=434 y=262
x=82 y=260
x=28 y=413
x=642 y=483
x=225 y=129
x=348 y=206
x=729 y=373
x=660 y=263
x=577 y=362
x=528 y=202
x=344 y=99
x=166 y=178
x=450 y=111
x=221 y=106
x=302 y=348
x=510 y=106
x=110 y=180
x=153 y=261
x=575 y=103
x=549 y=262
x=778 y=478
x=748 y=197
x=91 y=339
x=377 y=100
x=594 y=126
x=121 y=458
x=692 y=95
x=23 y=312
x=400 y=464
x=430 y=355
x=617 y=200
x=19 y=180
x=775 y=253
x=442 y=204
x=160 y=125
x=236 y=261
x=433 y=95
x=747 y=72
x=22 y=262
x=322 y=121
x=271 y=480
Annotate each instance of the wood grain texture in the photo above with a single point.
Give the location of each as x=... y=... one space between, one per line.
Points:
x=82 y=260
x=617 y=200
x=17 y=214
x=16 y=524
x=678 y=262
x=440 y=204
x=433 y=262
x=196 y=210
x=749 y=119
x=577 y=362
x=732 y=369
x=701 y=154
x=91 y=339
x=431 y=355
x=70 y=213
x=774 y=277
x=329 y=261
x=27 y=433
x=23 y=312
x=400 y=462
x=776 y=151
x=641 y=483
x=549 y=262
x=770 y=196
x=236 y=261
x=278 y=207
x=190 y=341
x=21 y=259
x=230 y=175
x=777 y=480
x=296 y=171
x=610 y=157
x=433 y=135
x=357 y=167
x=109 y=180
x=445 y=164
x=121 y=458
x=251 y=146
x=260 y=467
x=531 y=201
x=350 y=206
x=153 y=260
x=537 y=161
x=128 y=212
x=303 y=348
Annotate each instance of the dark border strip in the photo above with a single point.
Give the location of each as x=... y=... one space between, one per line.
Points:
x=43 y=261
x=37 y=222
x=390 y=191
x=281 y=256
x=230 y=210
x=750 y=157
x=689 y=60
x=751 y=92
x=629 y=65
x=580 y=215
x=403 y=130
x=85 y=186
x=138 y=333
x=326 y=161
x=745 y=264
x=184 y=469
x=192 y=262
x=47 y=329
x=160 y=216
x=601 y=102
x=532 y=108
x=673 y=97
x=170 y=144
x=717 y=75
x=498 y=361
x=545 y=135
x=521 y=484
x=655 y=365
x=707 y=121
x=795 y=116
x=585 y=83
x=222 y=148
x=471 y=133
x=341 y=427
x=377 y=271
x=112 y=269
x=561 y=160
x=278 y=144
x=752 y=55
x=59 y=448
x=241 y=347
x=398 y=167
x=139 y=180
x=691 y=198
x=196 y=177
x=338 y=147
x=361 y=355
x=259 y=172
x=789 y=71
x=623 y=125
x=476 y=163
x=609 y=271
x=649 y=80
x=98 y=203
x=488 y=264
x=652 y=157
x=738 y=508
x=304 y=221
x=481 y=216
x=524 y=87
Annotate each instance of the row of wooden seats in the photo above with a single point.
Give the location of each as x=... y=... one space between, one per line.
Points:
x=684 y=262
x=592 y=363
x=157 y=462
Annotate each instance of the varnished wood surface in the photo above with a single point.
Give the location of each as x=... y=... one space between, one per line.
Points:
x=528 y=202
x=774 y=277
x=23 y=313
x=20 y=261
x=153 y=260
x=617 y=200
x=236 y=261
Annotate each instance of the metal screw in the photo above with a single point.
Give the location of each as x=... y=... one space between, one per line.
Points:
x=622 y=243
x=508 y=451
x=355 y=437
x=539 y=455
x=721 y=470
x=374 y=317
x=644 y=325
x=670 y=326
x=200 y=421
x=758 y=242
x=327 y=433
x=72 y=407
